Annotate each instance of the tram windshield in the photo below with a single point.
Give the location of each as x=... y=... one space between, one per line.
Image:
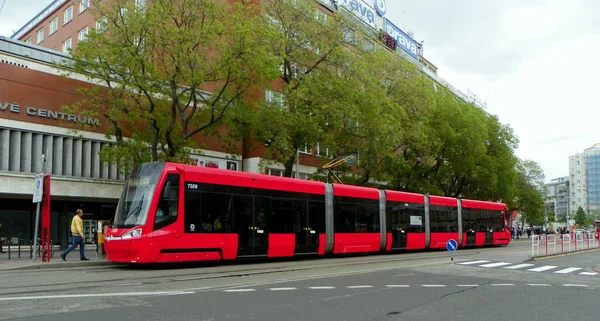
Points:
x=137 y=194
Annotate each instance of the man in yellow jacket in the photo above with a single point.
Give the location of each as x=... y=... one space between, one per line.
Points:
x=77 y=236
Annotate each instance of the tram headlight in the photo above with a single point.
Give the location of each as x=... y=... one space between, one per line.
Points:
x=132 y=234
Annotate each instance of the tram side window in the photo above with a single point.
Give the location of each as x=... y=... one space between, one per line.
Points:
x=283 y=212
x=443 y=218
x=472 y=220
x=405 y=217
x=207 y=212
x=215 y=212
x=494 y=220
x=166 y=212
x=368 y=218
x=345 y=218
x=356 y=215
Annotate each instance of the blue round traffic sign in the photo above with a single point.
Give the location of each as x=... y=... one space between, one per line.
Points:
x=451 y=245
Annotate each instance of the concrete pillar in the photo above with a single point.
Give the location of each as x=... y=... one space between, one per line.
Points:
x=48 y=150
x=77 y=157
x=86 y=159
x=95 y=164
x=67 y=153
x=4 y=149
x=15 y=151
x=36 y=153
x=57 y=156
x=105 y=167
x=26 y=145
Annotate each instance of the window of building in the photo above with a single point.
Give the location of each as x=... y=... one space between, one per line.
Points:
x=54 y=25
x=68 y=15
x=83 y=34
x=101 y=24
x=306 y=149
x=349 y=36
x=275 y=172
x=40 y=35
x=67 y=45
x=321 y=149
x=84 y=5
x=321 y=16
x=28 y=40
x=274 y=99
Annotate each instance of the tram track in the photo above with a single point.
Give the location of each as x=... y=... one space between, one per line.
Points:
x=49 y=287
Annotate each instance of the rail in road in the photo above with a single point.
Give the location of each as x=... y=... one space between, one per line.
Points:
x=106 y=276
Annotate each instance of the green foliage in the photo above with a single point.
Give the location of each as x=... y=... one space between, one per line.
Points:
x=172 y=70
x=580 y=217
x=182 y=68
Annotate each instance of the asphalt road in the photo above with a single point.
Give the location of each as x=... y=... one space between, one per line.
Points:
x=425 y=287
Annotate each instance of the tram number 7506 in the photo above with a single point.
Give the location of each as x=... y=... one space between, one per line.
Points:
x=192 y=186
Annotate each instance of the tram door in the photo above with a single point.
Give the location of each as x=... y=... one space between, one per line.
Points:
x=489 y=236
x=397 y=224
x=251 y=215
x=470 y=237
x=309 y=222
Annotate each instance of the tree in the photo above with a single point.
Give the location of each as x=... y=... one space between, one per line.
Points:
x=529 y=196
x=580 y=217
x=171 y=71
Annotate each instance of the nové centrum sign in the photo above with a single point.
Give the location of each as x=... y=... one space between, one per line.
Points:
x=48 y=114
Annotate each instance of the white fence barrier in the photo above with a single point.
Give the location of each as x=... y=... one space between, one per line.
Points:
x=549 y=244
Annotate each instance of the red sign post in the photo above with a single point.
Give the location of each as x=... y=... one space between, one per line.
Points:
x=46 y=241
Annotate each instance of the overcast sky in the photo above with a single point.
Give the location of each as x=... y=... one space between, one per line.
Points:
x=535 y=62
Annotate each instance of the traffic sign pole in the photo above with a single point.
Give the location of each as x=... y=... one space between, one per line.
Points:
x=451 y=246
x=38 y=191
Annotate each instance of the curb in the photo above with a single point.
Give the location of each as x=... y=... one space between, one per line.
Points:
x=43 y=265
x=564 y=254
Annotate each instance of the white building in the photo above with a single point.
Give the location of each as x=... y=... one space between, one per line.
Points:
x=577 y=178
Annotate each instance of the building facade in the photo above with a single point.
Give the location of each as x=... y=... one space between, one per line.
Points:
x=32 y=121
x=592 y=178
x=557 y=197
x=577 y=178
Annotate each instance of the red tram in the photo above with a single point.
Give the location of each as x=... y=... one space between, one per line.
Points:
x=180 y=213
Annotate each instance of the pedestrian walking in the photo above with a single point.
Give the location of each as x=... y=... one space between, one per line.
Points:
x=77 y=236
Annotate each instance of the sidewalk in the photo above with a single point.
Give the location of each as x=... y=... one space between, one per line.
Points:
x=26 y=263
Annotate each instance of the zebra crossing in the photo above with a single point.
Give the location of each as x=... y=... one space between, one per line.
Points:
x=529 y=267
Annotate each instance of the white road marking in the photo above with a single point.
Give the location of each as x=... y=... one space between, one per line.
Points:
x=240 y=290
x=398 y=286
x=502 y=284
x=359 y=286
x=94 y=295
x=568 y=270
x=282 y=289
x=321 y=287
x=128 y=284
x=543 y=268
x=497 y=264
x=518 y=266
x=588 y=273
x=467 y=285
x=576 y=285
x=535 y=284
x=433 y=286
x=473 y=262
